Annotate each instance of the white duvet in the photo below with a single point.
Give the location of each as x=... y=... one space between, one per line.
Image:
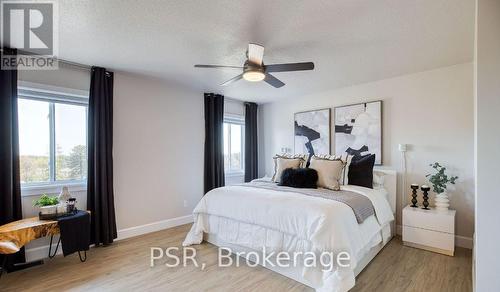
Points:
x=287 y=221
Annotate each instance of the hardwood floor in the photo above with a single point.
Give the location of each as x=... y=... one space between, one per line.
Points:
x=125 y=266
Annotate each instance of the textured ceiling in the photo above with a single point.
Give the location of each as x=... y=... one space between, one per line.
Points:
x=350 y=41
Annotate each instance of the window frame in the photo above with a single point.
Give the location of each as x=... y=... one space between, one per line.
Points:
x=53 y=95
x=235 y=120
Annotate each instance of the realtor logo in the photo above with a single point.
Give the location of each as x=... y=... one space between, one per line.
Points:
x=30 y=27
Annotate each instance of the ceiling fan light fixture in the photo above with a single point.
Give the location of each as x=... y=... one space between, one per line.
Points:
x=254 y=76
x=254 y=69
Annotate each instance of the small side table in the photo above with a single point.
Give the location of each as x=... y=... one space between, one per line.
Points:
x=14 y=235
x=429 y=229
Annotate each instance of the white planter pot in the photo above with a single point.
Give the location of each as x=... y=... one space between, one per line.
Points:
x=442 y=202
x=47 y=210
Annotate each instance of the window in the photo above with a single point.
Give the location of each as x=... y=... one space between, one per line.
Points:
x=52 y=138
x=71 y=142
x=233 y=145
x=34 y=140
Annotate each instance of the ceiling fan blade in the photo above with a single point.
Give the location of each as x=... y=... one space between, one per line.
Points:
x=274 y=81
x=255 y=53
x=236 y=78
x=290 y=67
x=217 y=66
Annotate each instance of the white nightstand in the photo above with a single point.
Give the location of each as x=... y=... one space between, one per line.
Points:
x=429 y=229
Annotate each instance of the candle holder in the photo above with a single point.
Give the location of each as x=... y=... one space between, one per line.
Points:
x=426 y=190
x=414 y=201
x=71 y=206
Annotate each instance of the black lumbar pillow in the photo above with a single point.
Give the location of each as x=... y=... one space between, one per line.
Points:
x=361 y=171
x=299 y=178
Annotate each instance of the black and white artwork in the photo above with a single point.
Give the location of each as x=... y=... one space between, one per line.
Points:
x=312 y=132
x=358 y=130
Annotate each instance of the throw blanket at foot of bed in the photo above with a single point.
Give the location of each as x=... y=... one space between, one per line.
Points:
x=360 y=204
x=280 y=219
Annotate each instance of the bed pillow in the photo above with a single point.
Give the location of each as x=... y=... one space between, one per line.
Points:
x=346 y=158
x=378 y=180
x=282 y=162
x=361 y=171
x=329 y=172
x=299 y=178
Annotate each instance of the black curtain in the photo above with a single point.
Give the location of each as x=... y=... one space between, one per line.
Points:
x=10 y=183
x=100 y=197
x=251 y=160
x=214 y=141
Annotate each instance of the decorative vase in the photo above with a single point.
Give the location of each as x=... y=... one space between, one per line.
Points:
x=64 y=195
x=442 y=202
x=61 y=208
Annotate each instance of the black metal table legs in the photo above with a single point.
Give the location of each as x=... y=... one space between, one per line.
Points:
x=80 y=256
x=51 y=255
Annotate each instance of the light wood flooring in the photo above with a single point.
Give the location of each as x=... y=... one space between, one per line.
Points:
x=125 y=266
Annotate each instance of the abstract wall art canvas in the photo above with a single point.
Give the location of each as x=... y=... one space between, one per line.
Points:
x=312 y=132
x=358 y=129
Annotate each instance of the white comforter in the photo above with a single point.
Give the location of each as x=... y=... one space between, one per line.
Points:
x=324 y=225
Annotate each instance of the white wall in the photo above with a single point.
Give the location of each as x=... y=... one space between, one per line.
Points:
x=157 y=151
x=234 y=107
x=67 y=76
x=431 y=111
x=487 y=262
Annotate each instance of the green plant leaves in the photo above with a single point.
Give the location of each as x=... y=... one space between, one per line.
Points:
x=45 y=200
x=440 y=179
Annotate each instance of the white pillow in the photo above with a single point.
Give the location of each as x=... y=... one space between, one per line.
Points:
x=284 y=161
x=345 y=173
x=378 y=180
x=329 y=171
x=346 y=158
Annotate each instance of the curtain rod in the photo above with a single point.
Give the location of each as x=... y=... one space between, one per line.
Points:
x=75 y=64
x=83 y=66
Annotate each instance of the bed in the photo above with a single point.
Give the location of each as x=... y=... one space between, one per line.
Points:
x=255 y=221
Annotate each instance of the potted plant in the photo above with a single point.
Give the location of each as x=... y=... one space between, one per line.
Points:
x=440 y=181
x=48 y=205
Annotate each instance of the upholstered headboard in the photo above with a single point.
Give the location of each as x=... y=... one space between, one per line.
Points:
x=390 y=184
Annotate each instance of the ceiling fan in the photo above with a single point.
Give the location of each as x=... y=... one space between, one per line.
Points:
x=254 y=69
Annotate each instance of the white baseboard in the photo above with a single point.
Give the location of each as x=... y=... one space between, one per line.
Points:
x=153 y=227
x=41 y=252
x=461 y=241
